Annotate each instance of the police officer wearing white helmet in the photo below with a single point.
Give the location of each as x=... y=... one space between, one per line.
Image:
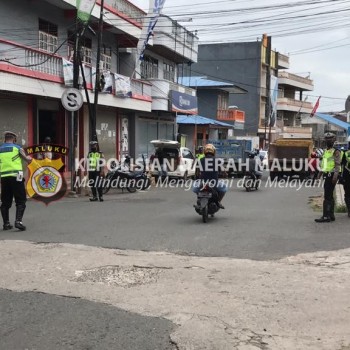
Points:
x=12 y=181
x=330 y=169
x=96 y=171
x=346 y=176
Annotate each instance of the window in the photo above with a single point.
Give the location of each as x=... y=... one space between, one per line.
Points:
x=223 y=100
x=106 y=58
x=85 y=50
x=48 y=36
x=169 y=72
x=187 y=154
x=149 y=68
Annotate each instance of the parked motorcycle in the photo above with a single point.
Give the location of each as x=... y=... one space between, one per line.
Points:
x=207 y=202
x=122 y=177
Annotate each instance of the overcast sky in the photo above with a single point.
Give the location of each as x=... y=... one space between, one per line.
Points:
x=324 y=27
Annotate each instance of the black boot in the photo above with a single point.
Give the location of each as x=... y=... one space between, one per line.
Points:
x=19 y=215
x=6 y=219
x=220 y=197
x=326 y=212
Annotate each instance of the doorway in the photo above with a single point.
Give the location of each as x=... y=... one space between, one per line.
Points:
x=50 y=124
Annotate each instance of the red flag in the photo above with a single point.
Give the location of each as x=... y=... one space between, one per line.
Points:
x=315 y=107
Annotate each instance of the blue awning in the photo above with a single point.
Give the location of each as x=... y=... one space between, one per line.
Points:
x=330 y=119
x=204 y=82
x=200 y=120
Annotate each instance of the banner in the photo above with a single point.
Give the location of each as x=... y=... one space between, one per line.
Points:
x=273 y=100
x=150 y=21
x=315 y=107
x=122 y=86
x=85 y=8
x=67 y=72
x=107 y=82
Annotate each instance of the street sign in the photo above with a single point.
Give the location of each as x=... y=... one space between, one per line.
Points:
x=72 y=99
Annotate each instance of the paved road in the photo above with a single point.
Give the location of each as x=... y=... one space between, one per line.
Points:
x=267 y=224
x=36 y=321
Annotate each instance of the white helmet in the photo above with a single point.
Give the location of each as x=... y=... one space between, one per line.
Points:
x=348 y=138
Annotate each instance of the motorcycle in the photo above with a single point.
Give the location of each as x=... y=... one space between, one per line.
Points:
x=251 y=181
x=122 y=177
x=207 y=202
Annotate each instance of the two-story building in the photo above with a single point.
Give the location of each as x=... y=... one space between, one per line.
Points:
x=171 y=45
x=36 y=51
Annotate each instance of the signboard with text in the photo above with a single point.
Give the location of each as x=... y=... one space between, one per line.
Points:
x=183 y=103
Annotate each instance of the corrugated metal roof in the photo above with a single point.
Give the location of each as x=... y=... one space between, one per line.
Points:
x=208 y=83
x=330 y=119
x=200 y=120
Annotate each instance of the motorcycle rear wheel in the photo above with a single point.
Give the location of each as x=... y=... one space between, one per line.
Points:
x=205 y=214
x=132 y=188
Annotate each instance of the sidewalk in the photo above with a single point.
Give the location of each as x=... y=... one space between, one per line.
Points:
x=299 y=302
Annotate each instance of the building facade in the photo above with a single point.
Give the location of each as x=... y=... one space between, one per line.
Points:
x=292 y=106
x=249 y=65
x=36 y=50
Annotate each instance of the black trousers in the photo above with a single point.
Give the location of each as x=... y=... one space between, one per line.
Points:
x=329 y=187
x=95 y=188
x=10 y=188
x=346 y=185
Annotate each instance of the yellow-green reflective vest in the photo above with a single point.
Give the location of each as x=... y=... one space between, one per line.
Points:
x=347 y=159
x=328 y=161
x=200 y=156
x=10 y=160
x=93 y=160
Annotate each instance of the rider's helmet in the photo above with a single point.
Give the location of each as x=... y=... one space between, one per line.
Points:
x=209 y=149
x=252 y=155
x=200 y=149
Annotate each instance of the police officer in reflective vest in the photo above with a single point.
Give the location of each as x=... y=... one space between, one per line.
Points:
x=12 y=181
x=330 y=169
x=346 y=177
x=95 y=171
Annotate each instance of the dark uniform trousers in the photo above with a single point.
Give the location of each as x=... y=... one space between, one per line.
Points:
x=328 y=203
x=10 y=188
x=96 y=187
x=346 y=184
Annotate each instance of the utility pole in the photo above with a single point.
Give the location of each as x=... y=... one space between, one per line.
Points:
x=93 y=134
x=73 y=125
x=268 y=88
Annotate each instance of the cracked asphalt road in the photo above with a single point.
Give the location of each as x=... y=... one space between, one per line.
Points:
x=37 y=321
x=261 y=275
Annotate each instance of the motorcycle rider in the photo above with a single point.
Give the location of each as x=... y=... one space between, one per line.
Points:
x=209 y=173
x=254 y=165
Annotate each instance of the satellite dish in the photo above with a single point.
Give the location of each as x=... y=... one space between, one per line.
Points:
x=347 y=104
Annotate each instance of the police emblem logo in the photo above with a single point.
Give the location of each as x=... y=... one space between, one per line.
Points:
x=46 y=182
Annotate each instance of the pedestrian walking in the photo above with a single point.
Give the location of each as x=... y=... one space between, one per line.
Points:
x=96 y=171
x=330 y=169
x=12 y=180
x=346 y=176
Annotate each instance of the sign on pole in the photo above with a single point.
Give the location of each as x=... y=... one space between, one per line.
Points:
x=85 y=8
x=72 y=99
